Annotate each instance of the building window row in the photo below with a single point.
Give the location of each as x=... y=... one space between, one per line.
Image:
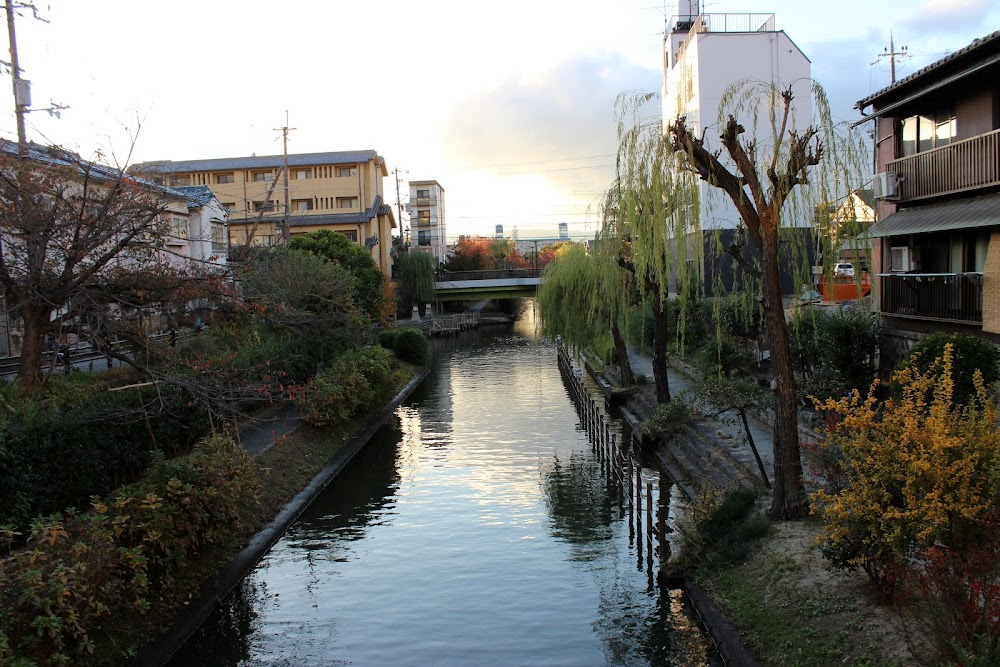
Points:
x=924 y=132
x=259 y=176
x=314 y=203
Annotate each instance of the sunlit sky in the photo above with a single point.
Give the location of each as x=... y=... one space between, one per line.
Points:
x=509 y=105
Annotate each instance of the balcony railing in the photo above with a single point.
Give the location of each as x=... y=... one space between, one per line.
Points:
x=734 y=23
x=964 y=165
x=424 y=201
x=953 y=297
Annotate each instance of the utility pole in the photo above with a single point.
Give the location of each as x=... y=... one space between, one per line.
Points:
x=285 y=232
x=22 y=88
x=891 y=53
x=399 y=205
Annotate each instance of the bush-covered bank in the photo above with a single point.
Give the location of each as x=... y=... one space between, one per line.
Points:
x=167 y=548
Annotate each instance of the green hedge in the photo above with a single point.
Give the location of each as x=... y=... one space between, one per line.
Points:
x=969 y=354
x=408 y=343
x=83 y=571
x=54 y=460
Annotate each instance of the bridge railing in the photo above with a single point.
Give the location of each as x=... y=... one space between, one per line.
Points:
x=496 y=274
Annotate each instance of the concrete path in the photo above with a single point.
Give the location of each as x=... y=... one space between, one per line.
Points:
x=682 y=379
x=263 y=431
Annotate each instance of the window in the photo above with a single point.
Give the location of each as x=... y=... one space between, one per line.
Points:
x=259 y=206
x=423 y=194
x=922 y=133
x=179 y=227
x=424 y=216
x=229 y=206
x=302 y=204
x=225 y=178
x=351 y=235
x=180 y=180
x=302 y=174
x=218 y=237
x=347 y=202
x=347 y=171
x=423 y=238
x=263 y=176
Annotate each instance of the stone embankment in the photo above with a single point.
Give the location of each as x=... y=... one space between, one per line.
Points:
x=709 y=453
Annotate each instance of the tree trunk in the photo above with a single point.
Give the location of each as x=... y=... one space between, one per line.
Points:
x=624 y=367
x=789 y=501
x=660 y=325
x=29 y=371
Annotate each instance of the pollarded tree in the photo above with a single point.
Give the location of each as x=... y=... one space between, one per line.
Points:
x=76 y=236
x=766 y=177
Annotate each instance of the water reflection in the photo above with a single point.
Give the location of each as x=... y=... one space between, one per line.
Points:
x=477 y=528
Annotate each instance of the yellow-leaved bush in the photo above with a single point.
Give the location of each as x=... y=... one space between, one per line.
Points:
x=915 y=472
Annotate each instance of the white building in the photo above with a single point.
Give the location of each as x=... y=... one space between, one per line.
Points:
x=703 y=56
x=427 y=218
x=201 y=235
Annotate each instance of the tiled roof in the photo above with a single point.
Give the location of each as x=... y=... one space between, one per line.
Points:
x=60 y=157
x=197 y=195
x=989 y=41
x=256 y=162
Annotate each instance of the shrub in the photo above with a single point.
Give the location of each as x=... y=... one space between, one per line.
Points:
x=350 y=384
x=918 y=473
x=669 y=419
x=834 y=353
x=720 y=355
x=388 y=338
x=412 y=345
x=82 y=570
x=969 y=353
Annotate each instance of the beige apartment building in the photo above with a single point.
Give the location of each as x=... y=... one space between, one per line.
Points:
x=341 y=191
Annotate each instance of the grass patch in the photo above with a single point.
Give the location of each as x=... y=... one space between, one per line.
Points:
x=793 y=611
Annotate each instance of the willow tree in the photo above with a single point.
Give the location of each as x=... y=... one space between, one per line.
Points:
x=416 y=277
x=653 y=202
x=775 y=176
x=580 y=298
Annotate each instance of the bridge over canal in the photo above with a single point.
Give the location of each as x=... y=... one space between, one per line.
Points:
x=498 y=284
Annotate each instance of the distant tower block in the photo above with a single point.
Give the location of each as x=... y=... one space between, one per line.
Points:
x=499 y=231
x=563 y=231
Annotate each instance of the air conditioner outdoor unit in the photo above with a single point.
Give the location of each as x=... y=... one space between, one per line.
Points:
x=886 y=185
x=900 y=260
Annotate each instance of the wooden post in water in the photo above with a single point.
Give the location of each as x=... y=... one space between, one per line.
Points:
x=649 y=521
x=628 y=484
x=664 y=547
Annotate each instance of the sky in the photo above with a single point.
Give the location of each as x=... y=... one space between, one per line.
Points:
x=510 y=106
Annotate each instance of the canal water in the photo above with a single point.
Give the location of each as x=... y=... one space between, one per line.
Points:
x=477 y=528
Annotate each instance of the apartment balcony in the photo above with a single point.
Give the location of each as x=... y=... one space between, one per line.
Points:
x=948 y=297
x=424 y=201
x=959 y=167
